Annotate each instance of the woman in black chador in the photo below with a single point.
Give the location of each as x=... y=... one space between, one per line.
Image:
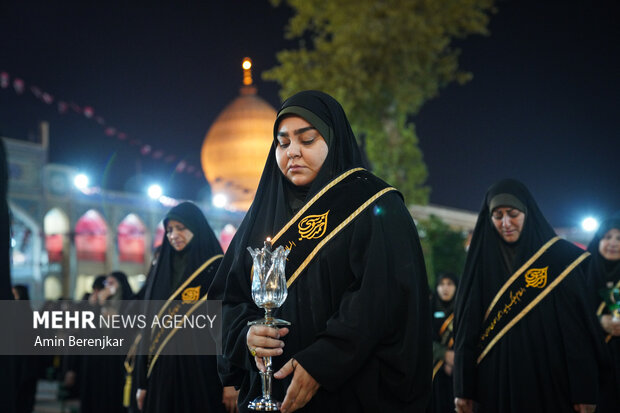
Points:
x=604 y=278
x=360 y=338
x=190 y=255
x=525 y=336
x=101 y=376
x=442 y=308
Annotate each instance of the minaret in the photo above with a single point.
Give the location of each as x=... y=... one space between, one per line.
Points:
x=247 y=88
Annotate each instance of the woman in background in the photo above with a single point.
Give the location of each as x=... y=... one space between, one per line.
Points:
x=604 y=278
x=525 y=337
x=101 y=376
x=442 y=308
x=190 y=255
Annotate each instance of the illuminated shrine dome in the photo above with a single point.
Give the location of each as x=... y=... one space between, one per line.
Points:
x=236 y=146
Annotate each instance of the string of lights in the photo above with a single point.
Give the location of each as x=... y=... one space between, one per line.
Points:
x=65 y=107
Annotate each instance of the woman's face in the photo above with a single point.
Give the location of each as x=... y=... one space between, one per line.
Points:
x=111 y=283
x=508 y=222
x=300 y=150
x=178 y=235
x=609 y=246
x=446 y=289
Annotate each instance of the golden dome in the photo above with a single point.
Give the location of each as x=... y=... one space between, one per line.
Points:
x=236 y=146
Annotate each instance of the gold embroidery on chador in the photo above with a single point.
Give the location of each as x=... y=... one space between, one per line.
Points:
x=536 y=277
x=313 y=226
x=190 y=295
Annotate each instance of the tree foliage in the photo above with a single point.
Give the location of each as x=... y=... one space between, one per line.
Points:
x=382 y=59
x=444 y=248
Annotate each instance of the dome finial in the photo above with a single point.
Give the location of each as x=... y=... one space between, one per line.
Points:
x=247 y=71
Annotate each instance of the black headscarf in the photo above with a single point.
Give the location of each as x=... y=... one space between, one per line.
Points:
x=126 y=292
x=487 y=247
x=602 y=270
x=324 y=113
x=99 y=282
x=437 y=304
x=270 y=209
x=202 y=246
x=488 y=251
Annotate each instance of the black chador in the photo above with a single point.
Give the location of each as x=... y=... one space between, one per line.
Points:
x=100 y=377
x=181 y=383
x=525 y=337
x=358 y=294
x=9 y=376
x=603 y=277
x=443 y=341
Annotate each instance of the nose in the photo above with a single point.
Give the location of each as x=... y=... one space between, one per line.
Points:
x=292 y=150
x=505 y=221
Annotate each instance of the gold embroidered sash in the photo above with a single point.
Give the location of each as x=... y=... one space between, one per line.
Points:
x=522 y=292
x=184 y=300
x=445 y=332
x=325 y=215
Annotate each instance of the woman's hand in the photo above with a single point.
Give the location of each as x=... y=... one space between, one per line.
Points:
x=69 y=378
x=302 y=388
x=229 y=399
x=611 y=324
x=585 y=408
x=448 y=364
x=103 y=295
x=464 y=405
x=140 y=396
x=265 y=341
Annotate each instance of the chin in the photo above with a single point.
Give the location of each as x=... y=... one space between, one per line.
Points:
x=299 y=181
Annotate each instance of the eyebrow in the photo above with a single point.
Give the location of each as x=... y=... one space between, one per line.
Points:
x=296 y=131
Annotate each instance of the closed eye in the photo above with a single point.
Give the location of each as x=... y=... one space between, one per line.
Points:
x=283 y=143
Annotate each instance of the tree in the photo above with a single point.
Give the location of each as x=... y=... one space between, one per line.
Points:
x=444 y=248
x=382 y=59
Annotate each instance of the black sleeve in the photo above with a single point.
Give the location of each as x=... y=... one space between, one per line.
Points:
x=467 y=323
x=580 y=338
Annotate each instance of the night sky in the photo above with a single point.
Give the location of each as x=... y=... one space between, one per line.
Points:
x=542 y=106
